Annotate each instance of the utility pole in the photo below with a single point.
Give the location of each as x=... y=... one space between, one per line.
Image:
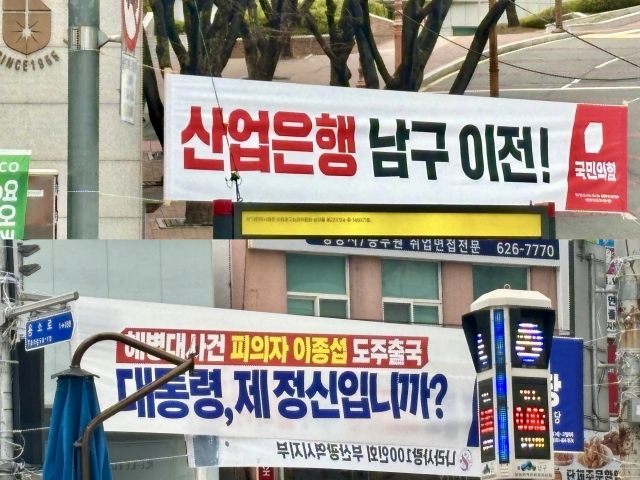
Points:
x=6 y=397
x=83 y=166
x=494 y=87
x=559 y=28
x=628 y=367
x=397 y=32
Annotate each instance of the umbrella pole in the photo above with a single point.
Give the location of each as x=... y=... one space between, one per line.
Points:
x=182 y=367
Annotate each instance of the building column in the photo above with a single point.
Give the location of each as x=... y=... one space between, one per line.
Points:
x=365 y=287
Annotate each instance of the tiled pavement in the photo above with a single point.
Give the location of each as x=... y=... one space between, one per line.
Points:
x=152 y=177
x=175 y=210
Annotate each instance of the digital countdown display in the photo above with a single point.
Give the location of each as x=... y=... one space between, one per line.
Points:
x=487 y=421
x=531 y=418
x=531 y=336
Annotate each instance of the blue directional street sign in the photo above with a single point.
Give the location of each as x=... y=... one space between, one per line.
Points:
x=48 y=330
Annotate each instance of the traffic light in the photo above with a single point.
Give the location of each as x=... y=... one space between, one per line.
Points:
x=26 y=250
x=27 y=371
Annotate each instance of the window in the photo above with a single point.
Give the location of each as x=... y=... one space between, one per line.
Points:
x=487 y=278
x=317 y=285
x=411 y=292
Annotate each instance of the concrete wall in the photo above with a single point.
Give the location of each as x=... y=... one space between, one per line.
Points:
x=365 y=288
x=261 y=284
x=457 y=291
x=33 y=115
x=304 y=45
x=544 y=281
x=469 y=13
x=381 y=27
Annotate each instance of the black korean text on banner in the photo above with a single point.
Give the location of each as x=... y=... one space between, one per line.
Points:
x=355 y=150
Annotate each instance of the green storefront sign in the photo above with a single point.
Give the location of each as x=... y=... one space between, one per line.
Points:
x=14 y=179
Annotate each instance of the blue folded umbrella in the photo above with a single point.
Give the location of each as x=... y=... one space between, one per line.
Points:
x=74 y=406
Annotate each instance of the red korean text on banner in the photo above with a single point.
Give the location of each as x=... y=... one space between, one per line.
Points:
x=333 y=150
x=597 y=174
x=279 y=349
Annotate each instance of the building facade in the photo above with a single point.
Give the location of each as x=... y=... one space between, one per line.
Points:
x=378 y=281
x=33 y=108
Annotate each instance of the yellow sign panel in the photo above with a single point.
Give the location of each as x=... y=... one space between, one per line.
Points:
x=385 y=224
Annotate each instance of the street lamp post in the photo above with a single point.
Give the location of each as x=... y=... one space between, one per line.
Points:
x=494 y=85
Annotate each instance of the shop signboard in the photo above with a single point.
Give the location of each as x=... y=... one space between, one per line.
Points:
x=513 y=248
x=287 y=144
x=266 y=375
x=14 y=179
x=567 y=394
x=612 y=266
x=266 y=473
x=599 y=459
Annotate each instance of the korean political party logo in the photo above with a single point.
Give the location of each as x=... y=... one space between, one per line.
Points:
x=26 y=25
x=598 y=159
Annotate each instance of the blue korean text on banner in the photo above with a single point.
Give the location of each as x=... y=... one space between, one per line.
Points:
x=540 y=249
x=567 y=394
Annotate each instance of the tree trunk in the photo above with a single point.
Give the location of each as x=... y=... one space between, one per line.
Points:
x=160 y=30
x=512 y=16
x=477 y=47
x=341 y=40
x=289 y=24
x=172 y=34
x=151 y=92
x=359 y=9
x=287 y=51
x=427 y=42
x=263 y=44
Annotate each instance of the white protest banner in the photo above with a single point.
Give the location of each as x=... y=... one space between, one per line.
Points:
x=244 y=452
x=311 y=144
x=265 y=375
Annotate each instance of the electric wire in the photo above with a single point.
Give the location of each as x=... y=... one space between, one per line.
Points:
x=519 y=67
x=579 y=38
x=235 y=176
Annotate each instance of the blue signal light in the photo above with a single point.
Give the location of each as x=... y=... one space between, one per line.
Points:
x=501 y=387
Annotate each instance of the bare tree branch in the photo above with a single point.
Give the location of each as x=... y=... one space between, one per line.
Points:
x=266 y=8
x=315 y=31
x=367 y=61
x=427 y=41
x=477 y=47
x=426 y=10
x=174 y=39
x=162 y=41
x=151 y=91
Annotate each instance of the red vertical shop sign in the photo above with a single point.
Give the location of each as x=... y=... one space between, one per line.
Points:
x=266 y=473
x=612 y=381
